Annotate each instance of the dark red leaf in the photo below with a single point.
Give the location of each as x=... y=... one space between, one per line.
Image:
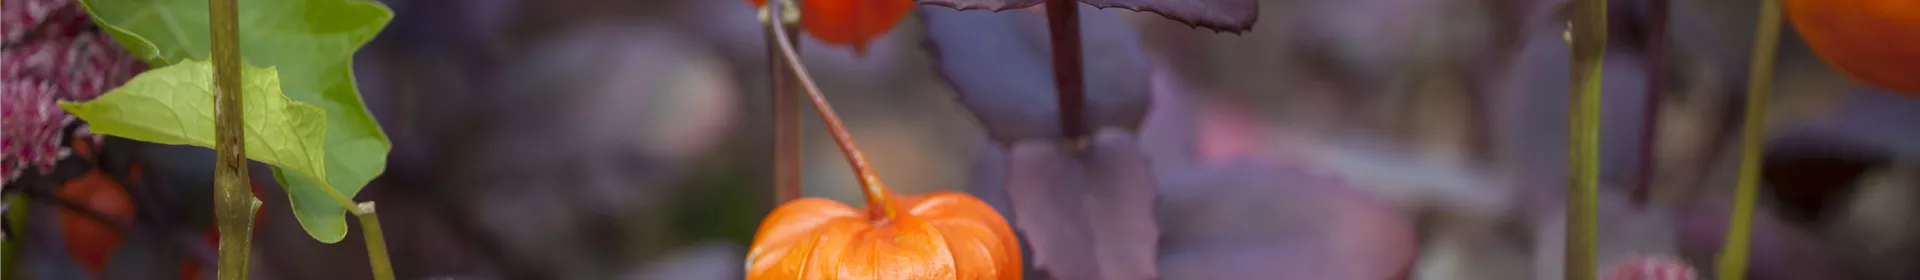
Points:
x=1220 y=15
x=1086 y=216
x=1002 y=68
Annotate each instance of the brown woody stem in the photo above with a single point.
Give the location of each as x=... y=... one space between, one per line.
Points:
x=1063 y=23
x=786 y=107
x=876 y=191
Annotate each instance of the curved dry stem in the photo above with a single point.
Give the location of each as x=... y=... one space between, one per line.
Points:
x=1732 y=261
x=875 y=191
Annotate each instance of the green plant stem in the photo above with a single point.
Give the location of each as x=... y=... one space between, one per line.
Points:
x=1732 y=261
x=786 y=106
x=1589 y=40
x=376 y=244
x=233 y=197
x=878 y=201
x=9 y=246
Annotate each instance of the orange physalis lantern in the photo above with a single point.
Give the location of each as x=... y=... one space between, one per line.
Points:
x=1874 y=41
x=942 y=235
x=849 y=22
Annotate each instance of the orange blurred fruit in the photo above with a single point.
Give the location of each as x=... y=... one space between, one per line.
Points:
x=1874 y=41
x=849 y=22
x=90 y=240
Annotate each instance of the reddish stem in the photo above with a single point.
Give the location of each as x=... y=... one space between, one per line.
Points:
x=1656 y=83
x=786 y=112
x=1063 y=23
x=875 y=191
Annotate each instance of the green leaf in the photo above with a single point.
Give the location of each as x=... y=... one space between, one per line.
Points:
x=312 y=43
x=174 y=105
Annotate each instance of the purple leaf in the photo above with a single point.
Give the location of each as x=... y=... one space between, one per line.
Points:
x=1086 y=216
x=1220 y=15
x=1778 y=251
x=1247 y=220
x=1001 y=66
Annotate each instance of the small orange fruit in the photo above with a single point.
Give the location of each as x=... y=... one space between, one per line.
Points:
x=943 y=235
x=849 y=22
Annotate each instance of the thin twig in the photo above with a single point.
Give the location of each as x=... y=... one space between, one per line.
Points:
x=1732 y=263
x=1589 y=36
x=786 y=106
x=1656 y=47
x=876 y=191
x=1063 y=24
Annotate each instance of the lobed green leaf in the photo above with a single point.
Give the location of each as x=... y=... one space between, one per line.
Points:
x=311 y=43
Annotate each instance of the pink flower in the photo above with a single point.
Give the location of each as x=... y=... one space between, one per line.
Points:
x=51 y=52
x=1652 y=268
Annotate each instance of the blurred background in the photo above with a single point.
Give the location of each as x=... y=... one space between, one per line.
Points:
x=628 y=139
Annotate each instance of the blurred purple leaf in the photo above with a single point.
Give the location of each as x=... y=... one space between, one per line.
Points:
x=1220 y=15
x=1778 y=250
x=1248 y=220
x=1001 y=66
x=1086 y=216
x=696 y=261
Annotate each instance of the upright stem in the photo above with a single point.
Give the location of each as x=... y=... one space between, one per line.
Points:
x=1656 y=84
x=1063 y=23
x=876 y=191
x=1732 y=263
x=233 y=198
x=1589 y=36
x=786 y=106
x=376 y=245
x=9 y=247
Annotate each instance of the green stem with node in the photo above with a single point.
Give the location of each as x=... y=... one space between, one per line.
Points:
x=369 y=229
x=234 y=203
x=233 y=197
